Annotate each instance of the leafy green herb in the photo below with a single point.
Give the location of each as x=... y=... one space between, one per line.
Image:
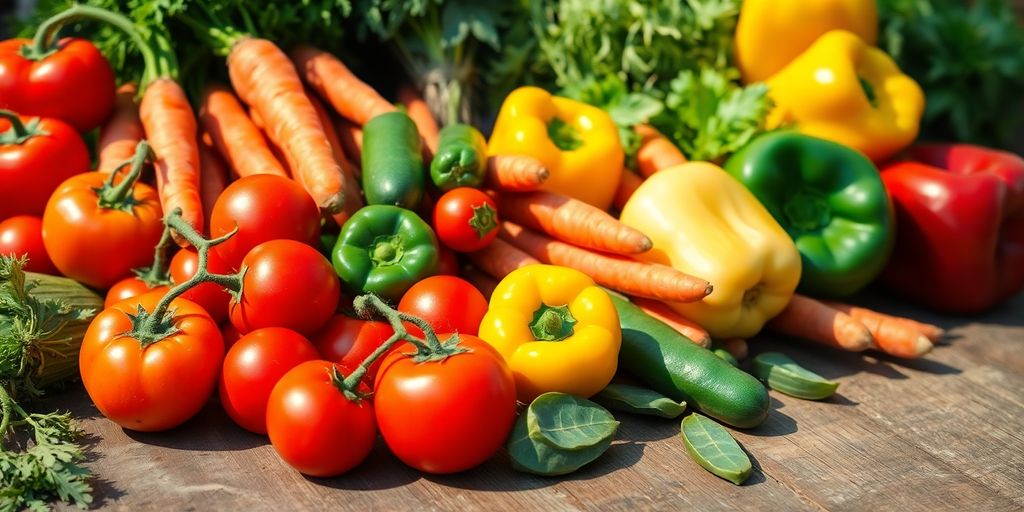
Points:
x=968 y=58
x=711 y=446
x=558 y=434
x=637 y=400
x=42 y=321
x=786 y=376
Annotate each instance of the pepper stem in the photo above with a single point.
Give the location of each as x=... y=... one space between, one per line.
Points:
x=564 y=135
x=120 y=196
x=552 y=323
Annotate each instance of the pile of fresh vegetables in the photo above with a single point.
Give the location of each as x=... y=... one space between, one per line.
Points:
x=571 y=207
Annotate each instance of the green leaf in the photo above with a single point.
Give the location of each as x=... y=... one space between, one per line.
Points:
x=537 y=455
x=637 y=400
x=711 y=446
x=786 y=376
x=569 y=422
x=461 y=18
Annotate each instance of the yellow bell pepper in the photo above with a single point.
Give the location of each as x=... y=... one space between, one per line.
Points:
x=844 y=90
x=771 y=33
x=705 y=223
x=577 y=143
x=556 y=329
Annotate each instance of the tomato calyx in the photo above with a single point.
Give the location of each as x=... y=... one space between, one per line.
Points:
x=428 y=348
x=120 y=196
x=484 y=220
x=19 y=132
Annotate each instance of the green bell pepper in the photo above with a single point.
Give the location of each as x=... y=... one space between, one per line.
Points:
x=384 y=250
x=831 y=201
x=461 y=158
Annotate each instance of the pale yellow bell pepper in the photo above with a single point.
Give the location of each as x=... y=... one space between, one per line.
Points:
x=705 y=223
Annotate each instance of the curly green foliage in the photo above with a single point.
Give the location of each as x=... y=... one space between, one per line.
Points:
x=968 y=58
x=49 y=469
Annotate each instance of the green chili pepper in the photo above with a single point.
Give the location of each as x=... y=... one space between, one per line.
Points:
x=461 y=158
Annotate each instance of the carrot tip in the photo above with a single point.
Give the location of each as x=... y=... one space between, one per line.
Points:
x=543 y=174
x=708 y=289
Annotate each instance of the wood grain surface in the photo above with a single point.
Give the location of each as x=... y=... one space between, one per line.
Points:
x=942 y=433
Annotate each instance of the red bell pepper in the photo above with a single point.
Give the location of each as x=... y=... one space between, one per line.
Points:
x=68 y=79
x=960 y=226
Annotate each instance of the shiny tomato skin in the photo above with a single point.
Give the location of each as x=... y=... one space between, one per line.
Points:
x=32 y=170
x=447 y=303
x=251 y=368
x=264 y=207
x=230 y=334
x=349 y=341
x=158 y=386
x=448 y=416
x=74 y=84
x=99 y=246
x=453 y=214
x=23 y=235
x=314 y=427
x=213 y=298
x=286 y=284
x=128 y=288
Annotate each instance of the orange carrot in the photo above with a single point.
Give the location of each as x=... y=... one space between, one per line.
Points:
x=332 y=80
x=515 y=173
x=351 y=138
x=663 y=312
x=257 y=121
x=812 y=320
x=170 y=127
x=627 y=185
x=656 y=151
x=901 y=337
x=419 y=112
x=214 y=175
x=934 y=333
x=235 y=136
x=353 y=201
x=267 y=81
x=500 y=258
x=122 y=131
x=483 y=282
x=632 y=277
x=737 y=347
x=573 y=221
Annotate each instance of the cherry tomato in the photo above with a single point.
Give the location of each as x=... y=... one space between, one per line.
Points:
x=75 y=83
x=154 y=386
x=50 y=152
x=286 y=284
x=349 y=341
x=447 y=416
x=313 y=426
x=251 y=368
x=466 y=219
x=23 y=235
x=128 y=288
x=212 y=297
x=264 y=207
x=447 y=303
x=448 y=262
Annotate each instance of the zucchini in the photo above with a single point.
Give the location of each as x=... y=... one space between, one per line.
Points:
x=674 y=366
x=393 y=171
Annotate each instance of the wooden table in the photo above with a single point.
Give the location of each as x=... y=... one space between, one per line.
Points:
x=943 y=433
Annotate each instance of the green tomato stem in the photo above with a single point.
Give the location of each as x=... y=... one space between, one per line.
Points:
x=120 y=196
x=21 y=132
x=157 y=274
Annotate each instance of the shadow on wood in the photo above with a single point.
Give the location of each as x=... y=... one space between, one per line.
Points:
x=777 y=424
x=381 y=470
x=209 y=430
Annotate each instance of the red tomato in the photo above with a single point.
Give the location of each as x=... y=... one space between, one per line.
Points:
x=466 y=219
x=150 y=386
x=23 y=235
x=349 y=341
x=448 y=262
x=251 y=368
x=447 y=303
x=286 y=284
x=95 y=245
x=49 y=152
x=128 y=288
x=264 y=207
x=313 y=426
x=447 y=416
x=74 y=84
x=230 y=334
x=213 y=298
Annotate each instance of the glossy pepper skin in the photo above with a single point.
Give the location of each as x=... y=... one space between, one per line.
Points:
x=531 y=117
x=384 y=250
x=844 y=90
x=705 y=223
x=771 y=33
x=831 y=201
x=960 y=211
x=556 y=329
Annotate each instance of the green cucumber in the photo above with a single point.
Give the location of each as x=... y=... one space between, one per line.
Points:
x=786 y=376
x=393 y=171
x=461 y=158
x=674 y=366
